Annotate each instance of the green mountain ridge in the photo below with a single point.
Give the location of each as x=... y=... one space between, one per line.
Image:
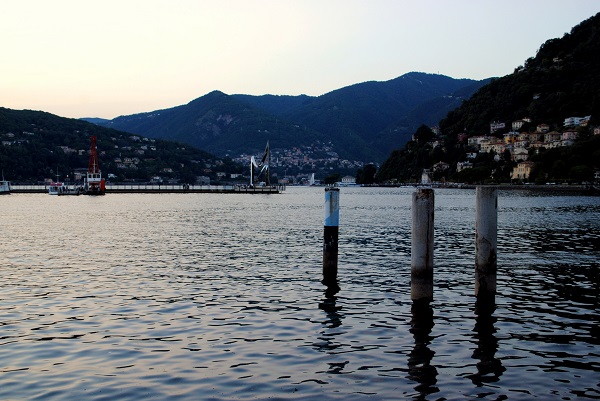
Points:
x=363 y=121
x=217 y=123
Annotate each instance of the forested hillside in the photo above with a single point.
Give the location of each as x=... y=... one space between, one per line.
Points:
x=217 y=123
x=562 y=80
x=36 y=145
x=361 y=122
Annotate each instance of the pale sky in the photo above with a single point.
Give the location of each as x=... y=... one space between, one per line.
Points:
x=105 y=58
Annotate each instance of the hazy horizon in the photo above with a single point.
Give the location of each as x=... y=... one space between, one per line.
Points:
x=105 y=59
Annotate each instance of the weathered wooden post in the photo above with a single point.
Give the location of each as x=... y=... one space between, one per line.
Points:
x=330 y=237
x=486 y=227
x=421 y=268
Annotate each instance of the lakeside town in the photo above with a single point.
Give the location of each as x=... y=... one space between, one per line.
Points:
x=298 y=164
x=295 y=165
x=520 y=145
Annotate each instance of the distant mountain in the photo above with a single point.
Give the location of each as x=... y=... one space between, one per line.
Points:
x=35 y=145
x=95 y=120
x=363 y=121
x=277 y=105
x=218 y=123
x=561 y=81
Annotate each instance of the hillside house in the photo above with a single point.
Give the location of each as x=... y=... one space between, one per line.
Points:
x=577 y=121
x=552 y=136
x=511 y=137
x=440 y=167
x=516 y=125
x=569 y=135
x=491 y=144
x=476 y=140
x=348 y=180
x=543 y=128
x=521 y=144
x=460 y=166
x=520 y=154
x=537 y=145
x=496 y=126
x=537 y=136
x=522 y=171
x=67 y=150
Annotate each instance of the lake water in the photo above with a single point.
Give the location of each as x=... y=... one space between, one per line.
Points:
x=218 y=297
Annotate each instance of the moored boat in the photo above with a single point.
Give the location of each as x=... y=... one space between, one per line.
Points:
x=4 y=187
x=60 y=188
x=94 y=184
x=55 y=188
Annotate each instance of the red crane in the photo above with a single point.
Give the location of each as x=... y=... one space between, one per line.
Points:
x=93 y=166
x=94 y=183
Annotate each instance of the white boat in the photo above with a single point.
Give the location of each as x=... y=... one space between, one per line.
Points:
x=60 y=188
x=426 y=177
x=55 y=188
x=4 y=187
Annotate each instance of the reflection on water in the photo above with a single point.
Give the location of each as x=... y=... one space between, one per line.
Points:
x=420 y=368
x=333 y=320
x=327 y=338
x=489 y=368
x=204 y=296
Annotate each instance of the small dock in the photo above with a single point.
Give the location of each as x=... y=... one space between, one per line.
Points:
x=164 y=189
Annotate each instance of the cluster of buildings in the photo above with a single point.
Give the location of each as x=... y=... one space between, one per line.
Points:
x=520 y=145
x=301 y=161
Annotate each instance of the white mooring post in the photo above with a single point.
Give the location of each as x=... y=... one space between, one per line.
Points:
x=330 y=237
x=486 y=227
x=421 y=267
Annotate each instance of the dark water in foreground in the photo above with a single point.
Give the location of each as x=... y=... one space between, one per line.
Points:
x=212 y=297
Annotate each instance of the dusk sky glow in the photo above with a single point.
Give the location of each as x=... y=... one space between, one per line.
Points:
x=108 y=58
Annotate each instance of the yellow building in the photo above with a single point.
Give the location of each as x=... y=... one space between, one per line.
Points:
x=522 y=171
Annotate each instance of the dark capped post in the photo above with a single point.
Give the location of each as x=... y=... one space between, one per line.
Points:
x=330 y=237
x=486 y=227
x=421 y=255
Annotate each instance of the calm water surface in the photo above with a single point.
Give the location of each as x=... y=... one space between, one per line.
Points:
x=218 y=297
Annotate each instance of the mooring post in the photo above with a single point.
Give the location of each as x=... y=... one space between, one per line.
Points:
x=486 y=227
x=330 y=237
x=421 y=268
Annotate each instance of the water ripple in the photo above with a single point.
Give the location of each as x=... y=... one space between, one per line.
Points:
x=199 y=296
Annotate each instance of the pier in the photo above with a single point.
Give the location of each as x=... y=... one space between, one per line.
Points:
x=164 y=188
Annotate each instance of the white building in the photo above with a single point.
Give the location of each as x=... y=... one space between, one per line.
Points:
x=520 y=154
x=575 y=121
x=516 y=125
x=348 y=179
x=569 y=135
x=495 y=126
x=460 y=166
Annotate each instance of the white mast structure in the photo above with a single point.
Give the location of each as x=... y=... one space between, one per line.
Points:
x=263 y=166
